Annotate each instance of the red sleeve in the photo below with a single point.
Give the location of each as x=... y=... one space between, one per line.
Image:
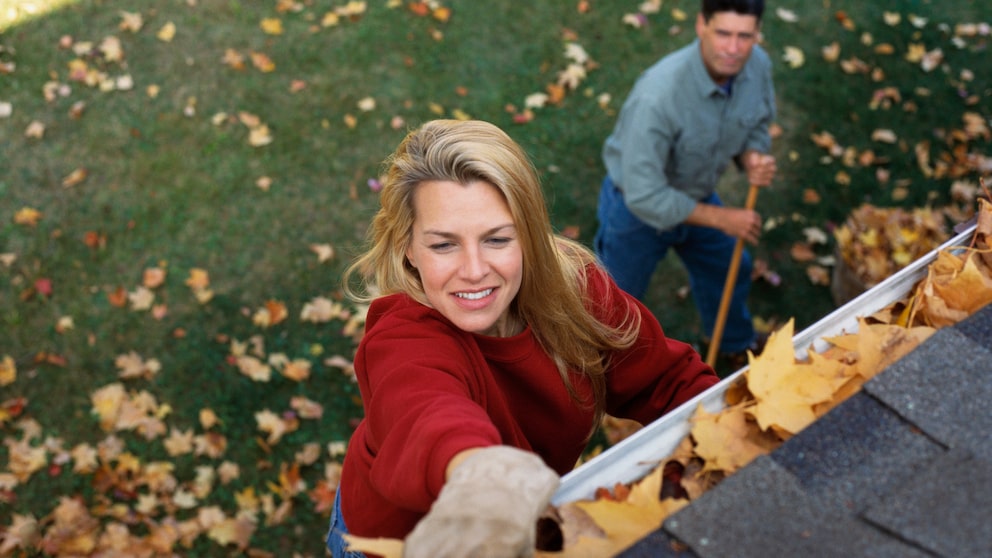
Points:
x=658 y=373
x=425 y=401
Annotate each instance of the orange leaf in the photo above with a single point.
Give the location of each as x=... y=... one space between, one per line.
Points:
x=419 y=8
x=322 y=496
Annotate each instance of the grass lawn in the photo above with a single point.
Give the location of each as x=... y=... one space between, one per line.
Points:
x=183 y=181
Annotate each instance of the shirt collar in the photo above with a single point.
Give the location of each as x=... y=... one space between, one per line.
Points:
x=704 y=83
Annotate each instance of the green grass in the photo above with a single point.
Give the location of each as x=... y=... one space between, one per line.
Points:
x=178 y=191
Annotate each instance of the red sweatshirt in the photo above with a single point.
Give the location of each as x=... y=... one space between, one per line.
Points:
x=431 y=390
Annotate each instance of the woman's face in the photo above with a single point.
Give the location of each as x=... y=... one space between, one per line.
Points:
x=466 y=249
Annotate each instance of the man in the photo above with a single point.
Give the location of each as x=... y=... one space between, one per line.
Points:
x=687 y=118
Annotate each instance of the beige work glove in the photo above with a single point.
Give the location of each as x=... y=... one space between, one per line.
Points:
x=488 y=507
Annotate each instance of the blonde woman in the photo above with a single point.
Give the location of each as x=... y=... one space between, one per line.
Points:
x=492 y=349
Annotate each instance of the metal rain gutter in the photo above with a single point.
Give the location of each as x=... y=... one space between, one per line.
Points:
x=638 y=454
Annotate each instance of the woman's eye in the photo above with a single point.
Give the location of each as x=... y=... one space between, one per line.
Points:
x=499 y=241
x=441 y=246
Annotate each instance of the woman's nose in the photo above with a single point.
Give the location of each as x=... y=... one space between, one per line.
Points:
x=474 y=266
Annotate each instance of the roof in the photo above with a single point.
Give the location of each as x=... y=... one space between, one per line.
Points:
x=903 y=468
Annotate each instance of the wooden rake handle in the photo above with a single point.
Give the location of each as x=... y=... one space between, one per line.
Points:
x=728 y=286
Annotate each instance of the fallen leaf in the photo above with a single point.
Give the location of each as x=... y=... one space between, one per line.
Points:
x=325 y=252
x=167 y=32
x=74 y=178
x=297 y=370
x=794 y=57
x=35 y=130
x=153 y=277
x=8 y=371
x=131 y=21
x=271 y=26
x=262 y=62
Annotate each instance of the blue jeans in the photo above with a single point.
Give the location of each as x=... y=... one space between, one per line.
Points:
x=335 y=542
x=631 y=249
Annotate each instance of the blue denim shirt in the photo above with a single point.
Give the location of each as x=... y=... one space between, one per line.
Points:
x=678 y=131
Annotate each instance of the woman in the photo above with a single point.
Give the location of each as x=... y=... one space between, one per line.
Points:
x=492 y=350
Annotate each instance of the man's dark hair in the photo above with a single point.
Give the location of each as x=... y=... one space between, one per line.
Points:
x=743 y=7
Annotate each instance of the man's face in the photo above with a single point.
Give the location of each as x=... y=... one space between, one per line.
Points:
x=726 y=41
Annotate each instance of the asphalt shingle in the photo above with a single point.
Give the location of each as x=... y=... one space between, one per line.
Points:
x=943 y=388
x=945 y=509
x=856 y=453
x=903 y=468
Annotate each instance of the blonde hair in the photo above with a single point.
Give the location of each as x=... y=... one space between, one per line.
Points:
x=552 y=297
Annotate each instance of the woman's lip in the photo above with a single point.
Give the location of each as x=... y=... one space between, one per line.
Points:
x=474 y=303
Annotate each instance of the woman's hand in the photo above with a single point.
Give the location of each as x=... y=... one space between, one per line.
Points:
x=489 y=506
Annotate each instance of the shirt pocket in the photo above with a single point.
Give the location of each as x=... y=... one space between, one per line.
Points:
x=738 y=129
x=694 y=161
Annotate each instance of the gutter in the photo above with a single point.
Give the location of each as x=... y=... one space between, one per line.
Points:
x=637 y=455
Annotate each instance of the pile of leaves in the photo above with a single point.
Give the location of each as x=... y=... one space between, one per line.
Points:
x=774 y=399
x=893 y=163
x=876 y=242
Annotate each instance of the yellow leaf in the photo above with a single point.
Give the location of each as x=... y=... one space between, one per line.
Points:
x=107 y=403
x=208 y=418
x=727 y=440
x=167 y=32
x=27 y=216
x=271 y=26
x=198 y=278
x=259 y=136
x=784 y=392
x=968 y=290
x=8 y=371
